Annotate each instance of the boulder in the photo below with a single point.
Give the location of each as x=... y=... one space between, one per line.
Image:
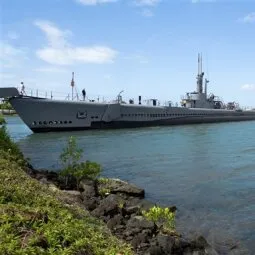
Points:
x=155 y=250
x=131 y=232
x=90 y=203
x=140 y=204
x=114 y=222
x=88 y=194
x=141 y=223
x=200 y=244
x=132 y=209
x=166 y=243
x=109 y=206
x=88 y=191
x=118 y=186
x=71 y=196
x=87 y=187
x=139 y=239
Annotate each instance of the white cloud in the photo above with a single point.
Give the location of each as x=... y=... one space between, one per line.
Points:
x=11 y=56
x=248 y=87
x=147 y=13
x=250 y=18
x=69 y=56
x=95 y=2
x=147 y=2
x=55 y=36
x=60 y=52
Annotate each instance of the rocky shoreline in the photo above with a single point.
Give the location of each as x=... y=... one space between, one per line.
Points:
x=120 y=205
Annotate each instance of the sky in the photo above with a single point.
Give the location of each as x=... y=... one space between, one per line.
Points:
x=143 y=47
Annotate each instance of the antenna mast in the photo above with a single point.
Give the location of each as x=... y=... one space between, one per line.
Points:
x=200 y=75
x=198 y=64
x=201 y=64
x=72 y=83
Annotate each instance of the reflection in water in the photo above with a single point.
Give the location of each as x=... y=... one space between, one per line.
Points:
x=206 y=170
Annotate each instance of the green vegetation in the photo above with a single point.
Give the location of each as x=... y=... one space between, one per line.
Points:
x=2 y=120
x=10 y=149
x=161 y=216
x=6 y=106
x=70 y=158
x=104 y=192
x=103 y=180
x=34 y=220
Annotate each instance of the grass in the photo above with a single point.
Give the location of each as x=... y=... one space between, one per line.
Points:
x=34 y=221
x=2 y=120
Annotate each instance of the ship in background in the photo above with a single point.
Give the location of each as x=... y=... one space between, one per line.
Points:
x=44 y=115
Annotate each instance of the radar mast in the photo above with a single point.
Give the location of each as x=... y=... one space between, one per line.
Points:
x=200 y=75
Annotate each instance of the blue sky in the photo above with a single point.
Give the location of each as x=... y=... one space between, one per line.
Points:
x=144 y=47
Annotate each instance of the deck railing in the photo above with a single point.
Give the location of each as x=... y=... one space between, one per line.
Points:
x=54 y=95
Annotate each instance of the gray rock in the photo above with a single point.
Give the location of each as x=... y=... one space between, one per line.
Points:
x=114 y=222
x=72 y=193
x=166 y=243
x=119 y=186
x=128 y=233
x=144 y=245
x=119 y=227
x=43 y=180
x=129 y=238
x=90 y=203
x=148 y=232
x=141 y=223
x=107 y=207
x=138 y=202
x=139 y=239
x=132 y=231
x=132 y=209
x=199 y=242
x=154 y=250
x=88 y=188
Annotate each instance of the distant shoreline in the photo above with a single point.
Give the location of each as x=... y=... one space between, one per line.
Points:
x=7 y=112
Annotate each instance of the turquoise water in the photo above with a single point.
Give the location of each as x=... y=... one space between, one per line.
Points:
x=207 y=171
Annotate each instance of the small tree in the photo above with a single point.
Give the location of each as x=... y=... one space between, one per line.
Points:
x=73 y=168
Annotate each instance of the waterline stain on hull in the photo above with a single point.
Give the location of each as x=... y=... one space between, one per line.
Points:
x=138 y=124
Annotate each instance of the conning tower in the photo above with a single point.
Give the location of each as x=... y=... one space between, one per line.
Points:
x=198 y=98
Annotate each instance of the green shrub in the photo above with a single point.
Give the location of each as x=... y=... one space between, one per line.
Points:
x=6 y=106
x=70 y=158
x=9 y=148
x=103 y=180
x=2 y=120
x=161 y=216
